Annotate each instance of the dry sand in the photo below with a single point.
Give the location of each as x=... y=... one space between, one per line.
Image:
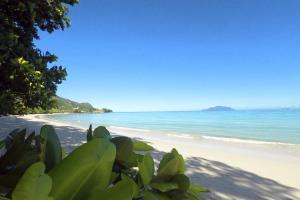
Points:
x=230 y=170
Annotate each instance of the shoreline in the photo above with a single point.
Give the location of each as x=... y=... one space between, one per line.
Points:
x=180 y=135
x=190 y=135
x=212 y=163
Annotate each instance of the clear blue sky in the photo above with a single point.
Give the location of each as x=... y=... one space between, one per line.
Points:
x=138 y=55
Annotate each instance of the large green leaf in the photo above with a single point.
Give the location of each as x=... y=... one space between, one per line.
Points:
x=196 y=190
x=53 y=151
x=15 y=136
x=151 y=195
x=124 y=147
x=182 y=181
x=164 y=186
x=189 y=196
x=101 y=132
x=135 y=188
x=123 y=190
x=141 y=146
x=87 y=166
x=132 y=161
x=181 y=167
x=64 y=154
x=165 y=160
x=20 y=153
x=170 y=165
x=180 y=195
x=146 y=169
x=29 y=157
x=34 y=184
x=15 y=147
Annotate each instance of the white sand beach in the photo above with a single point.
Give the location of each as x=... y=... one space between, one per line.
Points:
x=229 y=169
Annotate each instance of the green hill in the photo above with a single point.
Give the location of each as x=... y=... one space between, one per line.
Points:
x=63 y=105
x=67 y=105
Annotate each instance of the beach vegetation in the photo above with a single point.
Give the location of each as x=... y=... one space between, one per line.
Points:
x=28 y=76
x=104 y=167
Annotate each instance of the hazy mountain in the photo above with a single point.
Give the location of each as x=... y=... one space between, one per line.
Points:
x=219 y=108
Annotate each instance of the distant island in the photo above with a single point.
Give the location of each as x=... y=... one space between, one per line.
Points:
x=219 y=108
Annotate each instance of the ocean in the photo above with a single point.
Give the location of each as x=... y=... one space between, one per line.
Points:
x=263 y=126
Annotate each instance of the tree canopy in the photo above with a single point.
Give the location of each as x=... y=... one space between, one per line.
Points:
x=26 y=78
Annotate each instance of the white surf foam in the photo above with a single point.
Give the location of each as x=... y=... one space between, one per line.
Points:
x=178 y=135
x=128 y=129
x=250 y=141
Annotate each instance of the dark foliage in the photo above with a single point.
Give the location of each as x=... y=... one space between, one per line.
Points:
x=26 y=79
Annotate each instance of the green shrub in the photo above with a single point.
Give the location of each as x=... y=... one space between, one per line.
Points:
x=106 y=167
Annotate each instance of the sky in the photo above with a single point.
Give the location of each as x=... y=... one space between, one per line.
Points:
x=151 y=55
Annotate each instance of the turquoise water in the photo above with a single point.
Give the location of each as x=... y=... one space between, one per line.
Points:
x=269 y=126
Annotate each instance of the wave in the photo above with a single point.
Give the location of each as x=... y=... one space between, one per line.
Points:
x=181 y=135
x=207 y=137
x=249 y=141
x=129 y=129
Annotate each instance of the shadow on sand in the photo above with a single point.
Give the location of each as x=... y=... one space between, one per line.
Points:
x=227 y=182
